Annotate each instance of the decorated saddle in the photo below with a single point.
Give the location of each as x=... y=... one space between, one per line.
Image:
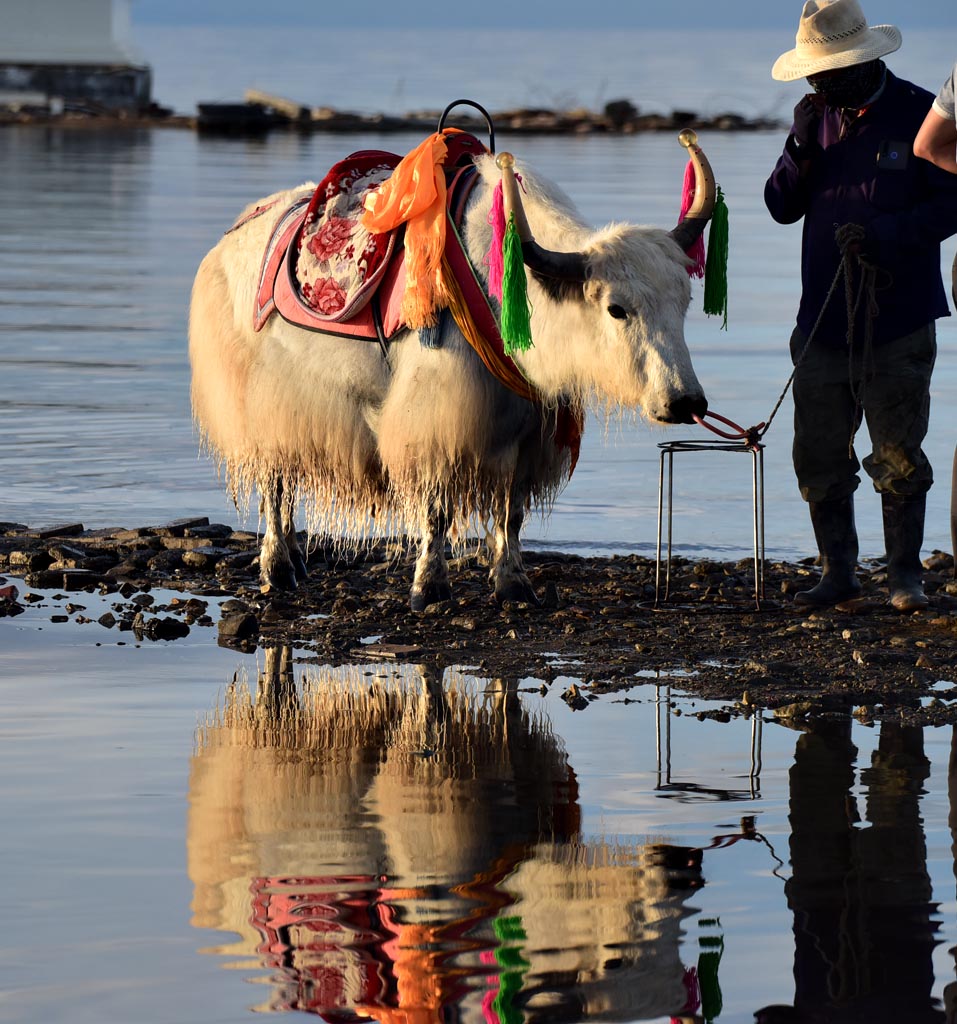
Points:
x=324 y=270
x=376 y=250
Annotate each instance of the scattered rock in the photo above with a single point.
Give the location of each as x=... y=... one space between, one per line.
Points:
x=178 y=527
x=393 y=652
x=602 y=627
x=166 y=561
x=60 y=530
x=238 y=625
x=164 y=628
x=799 y=709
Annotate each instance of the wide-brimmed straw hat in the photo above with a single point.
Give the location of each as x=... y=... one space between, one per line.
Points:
x=833 y=34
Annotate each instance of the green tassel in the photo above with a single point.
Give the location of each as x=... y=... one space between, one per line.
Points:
x=711 y=948
x=516 y=312
x=716 y=265
x=514 y=967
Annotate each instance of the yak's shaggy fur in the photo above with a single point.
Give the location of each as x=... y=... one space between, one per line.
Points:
x=427 y=439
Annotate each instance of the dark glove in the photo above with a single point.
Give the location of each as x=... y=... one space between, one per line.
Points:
x=807 y=117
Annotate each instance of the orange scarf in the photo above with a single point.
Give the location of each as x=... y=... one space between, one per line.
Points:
x=414 y=195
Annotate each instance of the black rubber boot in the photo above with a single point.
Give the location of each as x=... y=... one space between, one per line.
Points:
x=836 y=537
x=903 y=535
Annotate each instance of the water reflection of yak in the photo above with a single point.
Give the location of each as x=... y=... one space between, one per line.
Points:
x=387 y=846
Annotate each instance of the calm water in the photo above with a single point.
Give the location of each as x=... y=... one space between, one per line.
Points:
x=100 y=234
x=191 y=834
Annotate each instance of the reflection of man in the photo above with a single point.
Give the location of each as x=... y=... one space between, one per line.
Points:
x=861 y=896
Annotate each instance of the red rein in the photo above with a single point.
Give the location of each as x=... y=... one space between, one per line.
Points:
x=750 y=435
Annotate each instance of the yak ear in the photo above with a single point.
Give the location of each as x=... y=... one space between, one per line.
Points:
x=561 y=289
x=563 y=266
x=691 y=227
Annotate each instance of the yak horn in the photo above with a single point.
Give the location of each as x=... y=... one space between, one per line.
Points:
x=565 y=266
x=690 y=228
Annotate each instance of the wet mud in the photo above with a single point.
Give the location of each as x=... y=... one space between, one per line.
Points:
x=598 y=630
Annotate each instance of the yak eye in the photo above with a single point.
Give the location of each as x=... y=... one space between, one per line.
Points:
x=618 y=312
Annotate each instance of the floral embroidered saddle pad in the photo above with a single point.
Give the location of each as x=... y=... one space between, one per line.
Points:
x=322 y=270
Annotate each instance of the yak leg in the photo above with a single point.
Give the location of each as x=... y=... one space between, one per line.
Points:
x=276 y=568
x=431 y=581
x=434 y=711
x=287 y=498
x=507 y=573
x=277 y=683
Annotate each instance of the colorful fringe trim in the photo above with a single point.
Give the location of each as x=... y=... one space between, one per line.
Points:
x=415 y=195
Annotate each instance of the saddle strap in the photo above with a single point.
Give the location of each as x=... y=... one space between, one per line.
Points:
x=476 y=320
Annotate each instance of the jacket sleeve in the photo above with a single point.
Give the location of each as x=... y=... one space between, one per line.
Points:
x=786 y=192
x=931 y=219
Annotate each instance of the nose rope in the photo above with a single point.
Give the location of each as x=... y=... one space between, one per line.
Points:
x=751 y=436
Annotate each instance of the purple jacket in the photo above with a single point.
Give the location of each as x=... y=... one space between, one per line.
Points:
x=872 y=178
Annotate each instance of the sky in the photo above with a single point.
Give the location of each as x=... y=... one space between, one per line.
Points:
x=598 y=14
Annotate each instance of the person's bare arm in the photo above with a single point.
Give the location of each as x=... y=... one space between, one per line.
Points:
x=937 y=141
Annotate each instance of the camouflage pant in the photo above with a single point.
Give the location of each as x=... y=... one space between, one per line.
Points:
x=890 y=387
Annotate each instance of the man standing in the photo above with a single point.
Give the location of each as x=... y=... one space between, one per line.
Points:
x=937 y=139
x=865 y=341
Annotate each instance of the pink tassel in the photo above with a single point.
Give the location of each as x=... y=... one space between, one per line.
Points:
x=696 y=252
x=493 y=258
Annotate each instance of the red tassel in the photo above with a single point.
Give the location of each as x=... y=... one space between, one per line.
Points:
x=696 y=252
x=493 y=258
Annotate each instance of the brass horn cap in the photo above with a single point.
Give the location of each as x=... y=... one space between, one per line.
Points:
x=688 y=138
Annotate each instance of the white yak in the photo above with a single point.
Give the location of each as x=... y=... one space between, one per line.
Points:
x=424 y=438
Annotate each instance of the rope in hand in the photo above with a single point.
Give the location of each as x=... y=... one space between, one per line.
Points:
x=850 y=239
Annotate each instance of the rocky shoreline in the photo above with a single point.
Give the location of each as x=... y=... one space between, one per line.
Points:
x=596 y=632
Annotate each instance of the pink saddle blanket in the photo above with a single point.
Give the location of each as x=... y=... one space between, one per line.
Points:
x=324 y=271
x=321 y=267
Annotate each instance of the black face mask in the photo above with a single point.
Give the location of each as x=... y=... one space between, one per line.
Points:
x=851 y=87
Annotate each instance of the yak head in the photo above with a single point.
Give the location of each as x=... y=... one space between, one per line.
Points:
x=608 y=306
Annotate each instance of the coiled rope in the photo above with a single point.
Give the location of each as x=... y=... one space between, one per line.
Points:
x=849 y=238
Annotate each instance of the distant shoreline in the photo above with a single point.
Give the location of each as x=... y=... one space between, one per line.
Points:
x=259 y=118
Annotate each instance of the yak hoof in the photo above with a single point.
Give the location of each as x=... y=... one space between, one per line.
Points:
x=432 y=593
x=517 y=589
x=278 y=578
x=299 y=567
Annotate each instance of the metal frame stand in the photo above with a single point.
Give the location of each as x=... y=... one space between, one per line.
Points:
x=664 y=782
x=668 y=451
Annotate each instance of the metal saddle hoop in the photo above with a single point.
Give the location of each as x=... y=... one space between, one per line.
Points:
x=470 y=103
